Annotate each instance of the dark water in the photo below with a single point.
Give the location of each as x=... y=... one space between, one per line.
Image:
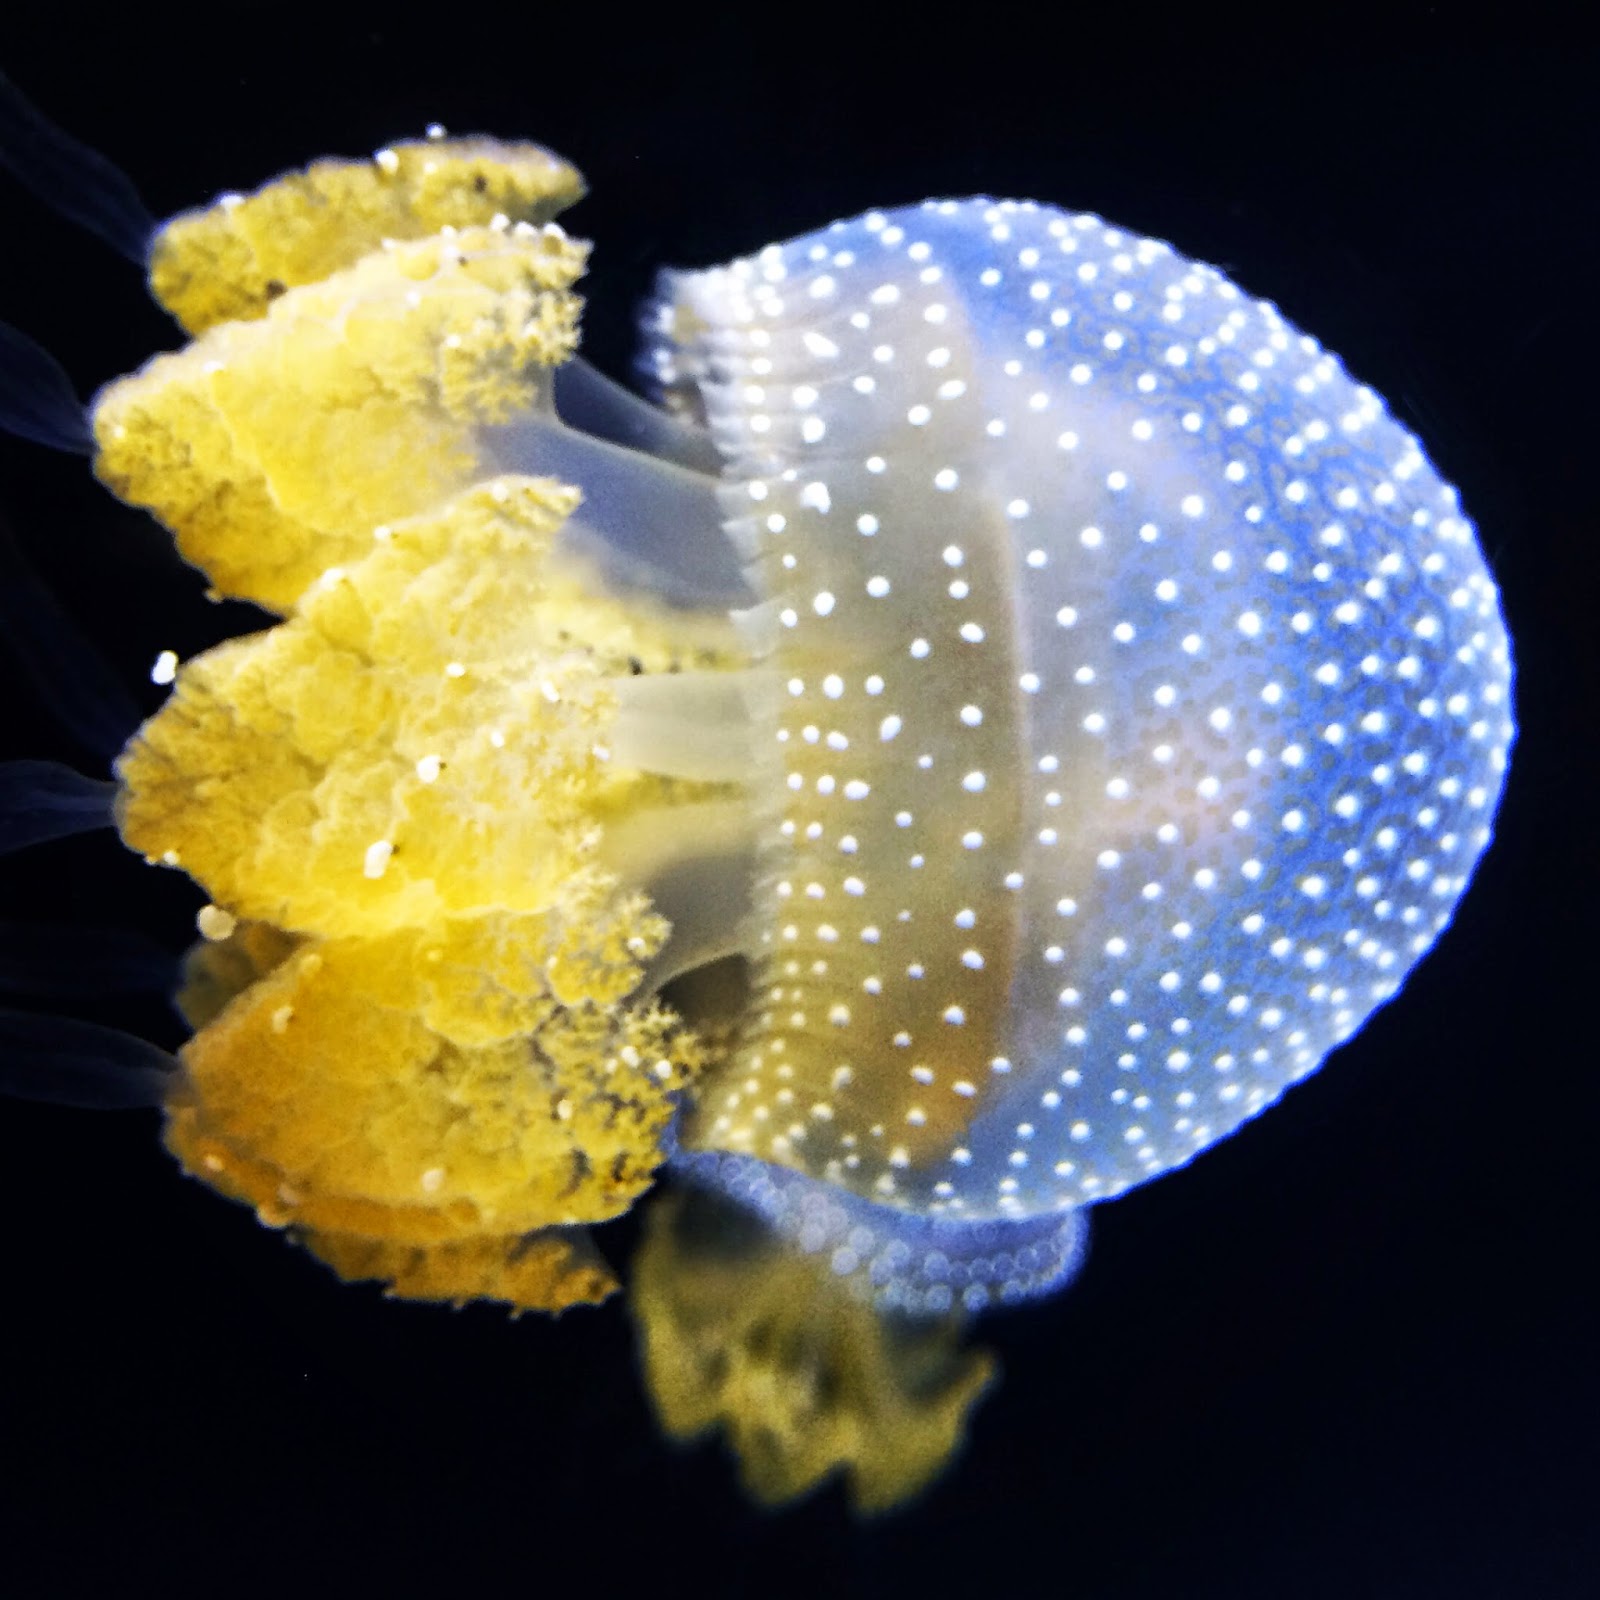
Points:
x=1349 y=1352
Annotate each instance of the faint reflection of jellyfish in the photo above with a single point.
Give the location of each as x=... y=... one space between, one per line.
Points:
x=1073 y=702
x=739 y=1330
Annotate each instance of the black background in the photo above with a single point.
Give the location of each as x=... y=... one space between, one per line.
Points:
x=1352 y=1351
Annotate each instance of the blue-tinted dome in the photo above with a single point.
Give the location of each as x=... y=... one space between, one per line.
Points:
x=1145 y=704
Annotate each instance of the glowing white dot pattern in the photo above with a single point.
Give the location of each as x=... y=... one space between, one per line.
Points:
x=1147 y=700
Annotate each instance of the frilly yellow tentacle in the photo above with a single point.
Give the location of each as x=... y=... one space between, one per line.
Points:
x=273 y=448
x=229 y=261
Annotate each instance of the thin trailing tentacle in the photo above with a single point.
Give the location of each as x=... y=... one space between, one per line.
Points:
x=79 y=183
x=43 y=800
x=37 y=400
x=69 y=1063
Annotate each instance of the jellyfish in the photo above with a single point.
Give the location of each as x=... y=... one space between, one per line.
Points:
x=1064 y=700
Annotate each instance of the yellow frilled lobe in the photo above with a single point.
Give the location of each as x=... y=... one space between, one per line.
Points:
x=418 y=741
x=323 y=1098
x=231 y=260
x=742 y=1332
x=271 y=448
x=420 y=1045
x=422 y=1251
x=547 y=1271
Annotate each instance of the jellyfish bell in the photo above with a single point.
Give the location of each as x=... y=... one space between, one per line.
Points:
x=1146 y=703
x=1073 y=698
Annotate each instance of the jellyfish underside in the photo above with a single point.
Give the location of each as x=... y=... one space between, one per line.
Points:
x=650 y=531
x=701 y=866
